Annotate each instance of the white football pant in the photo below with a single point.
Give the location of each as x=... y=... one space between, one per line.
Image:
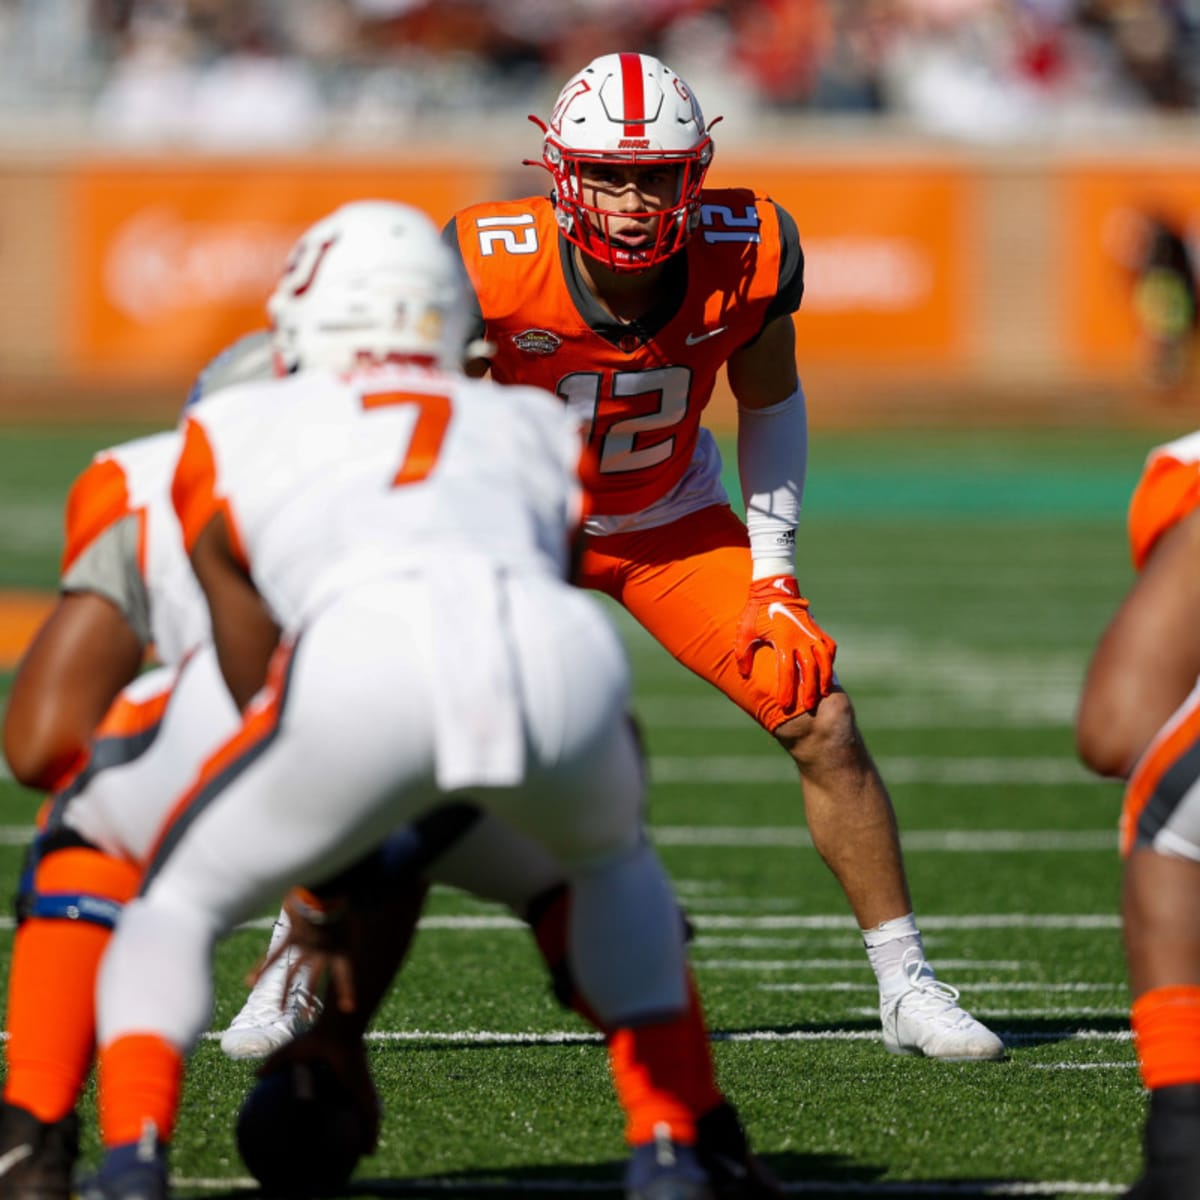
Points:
x=345 y=746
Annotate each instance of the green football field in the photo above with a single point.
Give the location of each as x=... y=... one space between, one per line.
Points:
x=966 y=577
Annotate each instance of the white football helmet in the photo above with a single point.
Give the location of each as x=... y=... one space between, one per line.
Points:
x=370 y=282
x=627 y=109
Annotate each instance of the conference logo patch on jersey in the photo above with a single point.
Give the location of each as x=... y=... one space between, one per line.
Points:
x=537 y=341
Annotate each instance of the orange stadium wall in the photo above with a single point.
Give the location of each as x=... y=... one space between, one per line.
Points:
x=992 y=279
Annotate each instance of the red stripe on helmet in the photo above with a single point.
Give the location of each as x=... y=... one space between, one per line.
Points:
x=633 y=89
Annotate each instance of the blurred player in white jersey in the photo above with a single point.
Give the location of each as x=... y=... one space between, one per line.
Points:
x=407 y=530
x=80 y=710
x=1139 y=720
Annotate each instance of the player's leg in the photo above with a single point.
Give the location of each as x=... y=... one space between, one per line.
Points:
x=686 y=582
x=1160 y=905
x=70 y=900
x=71 y=893
x=583 y=800
x=322 y=768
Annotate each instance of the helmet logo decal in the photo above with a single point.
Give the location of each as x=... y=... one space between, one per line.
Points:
x=579 y=88
x=308 y=279
x=537 y=341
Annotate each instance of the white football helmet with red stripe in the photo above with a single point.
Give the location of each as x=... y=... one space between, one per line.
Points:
x=369 y=283
x=628 y=109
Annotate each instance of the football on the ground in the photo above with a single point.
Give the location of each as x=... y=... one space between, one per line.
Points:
x=299 y=1131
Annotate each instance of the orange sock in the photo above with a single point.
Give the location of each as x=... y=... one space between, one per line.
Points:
x=51 y=987
x=1166 y=1033
x=140 y=1079
x=663 y=1074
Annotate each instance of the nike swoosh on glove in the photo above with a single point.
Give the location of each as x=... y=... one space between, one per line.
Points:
x=776 y=615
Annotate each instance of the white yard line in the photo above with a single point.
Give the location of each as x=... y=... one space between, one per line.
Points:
x=977 y=987
x=591 y=1187
x=950 y=841
x=723 y=770
x=922 y=711
x=836 y=964
x=472 y=923
x=776 y=768
x=789 y=837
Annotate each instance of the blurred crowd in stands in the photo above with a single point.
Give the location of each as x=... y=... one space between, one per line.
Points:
x=285 y=73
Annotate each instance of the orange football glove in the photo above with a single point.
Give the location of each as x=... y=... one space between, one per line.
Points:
x=776 y=615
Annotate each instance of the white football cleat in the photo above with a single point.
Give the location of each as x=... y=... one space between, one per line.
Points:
x=268 y=1020
x=925 y=1019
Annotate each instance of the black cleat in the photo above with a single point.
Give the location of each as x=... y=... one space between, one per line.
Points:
x=724 y=1152
x=666 y=1170
x=1172 y=1146
x=135 y=1171
x=36 y=1158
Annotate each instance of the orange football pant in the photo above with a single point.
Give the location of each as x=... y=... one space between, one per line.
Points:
x=686 y=583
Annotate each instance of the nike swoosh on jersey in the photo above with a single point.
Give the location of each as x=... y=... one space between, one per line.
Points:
x=782 y=610
x=692 y=338
x=14 y=1157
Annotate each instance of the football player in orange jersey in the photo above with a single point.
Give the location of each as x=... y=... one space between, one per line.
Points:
x=1139 y=720
x=80 y=710
x=624 y=293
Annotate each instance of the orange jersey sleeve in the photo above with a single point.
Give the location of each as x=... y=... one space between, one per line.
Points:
x=98 y=499
x=194 y=491
x=1168 y=491
x=639 y=388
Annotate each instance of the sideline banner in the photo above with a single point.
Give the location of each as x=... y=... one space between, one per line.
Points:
x=167 y=263
x=889 y=276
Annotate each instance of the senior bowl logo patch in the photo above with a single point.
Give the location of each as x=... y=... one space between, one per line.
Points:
x=537 y=341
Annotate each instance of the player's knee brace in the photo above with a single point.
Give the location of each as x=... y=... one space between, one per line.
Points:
x=66 y=878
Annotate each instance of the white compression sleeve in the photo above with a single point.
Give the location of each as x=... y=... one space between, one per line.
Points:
x=772 y=450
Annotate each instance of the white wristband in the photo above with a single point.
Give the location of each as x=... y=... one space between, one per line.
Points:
x=768 y=568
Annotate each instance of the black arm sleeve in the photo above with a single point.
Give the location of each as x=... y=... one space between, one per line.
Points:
x=475 y=323
x=791 y=268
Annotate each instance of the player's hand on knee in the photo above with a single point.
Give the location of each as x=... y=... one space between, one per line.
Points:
x=777 y=616
x=318 y=946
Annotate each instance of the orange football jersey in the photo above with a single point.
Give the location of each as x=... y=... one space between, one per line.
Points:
x=1168 y=490
x=639 y=388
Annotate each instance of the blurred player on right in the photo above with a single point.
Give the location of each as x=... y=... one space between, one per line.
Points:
x=1139 y=720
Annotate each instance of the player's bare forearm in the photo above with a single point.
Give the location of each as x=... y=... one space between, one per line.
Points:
x=1147 y=660
x=83 y=655
x=244 y=632
x=764 y=373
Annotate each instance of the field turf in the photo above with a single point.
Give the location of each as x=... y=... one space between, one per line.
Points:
x=966 y=577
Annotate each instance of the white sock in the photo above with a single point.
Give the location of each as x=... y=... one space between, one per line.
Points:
x=888 y=945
